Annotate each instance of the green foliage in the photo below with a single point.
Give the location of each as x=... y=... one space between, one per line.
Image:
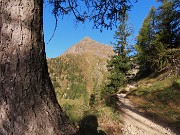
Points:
x=166 y=96
x=119 y=64
x=117 y=68
x=167 y=24
x=76 y=87
x=73 y=109
x=145 y=47
x=164 y=59
x=103 y=13
x=159 y=34
x=111 y=101
x=92 y=100
x=176 y=84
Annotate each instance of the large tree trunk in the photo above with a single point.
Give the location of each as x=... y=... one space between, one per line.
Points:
x=27 y=100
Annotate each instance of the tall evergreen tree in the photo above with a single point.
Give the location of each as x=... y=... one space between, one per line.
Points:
x=145 y=40
x=167 y=37
x=160 y=33
x=119 y=63
x=168 y=24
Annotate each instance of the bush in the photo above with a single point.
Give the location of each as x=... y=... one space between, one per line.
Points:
x=176 y=84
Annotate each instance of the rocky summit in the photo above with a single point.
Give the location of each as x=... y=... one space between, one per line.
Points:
x=89 y=46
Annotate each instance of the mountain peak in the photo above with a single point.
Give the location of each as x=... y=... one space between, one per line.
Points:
x=90 y=46
x=87 y=41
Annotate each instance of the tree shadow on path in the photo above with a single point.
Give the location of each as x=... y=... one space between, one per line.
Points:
x=89 y=126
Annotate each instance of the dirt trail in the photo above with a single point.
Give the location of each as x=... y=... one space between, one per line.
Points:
x=135 y=123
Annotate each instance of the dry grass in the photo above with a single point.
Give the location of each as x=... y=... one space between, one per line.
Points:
x=108 y=120
x=159 y=98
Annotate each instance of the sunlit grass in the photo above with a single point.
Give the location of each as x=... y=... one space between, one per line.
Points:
x=161 y=98
x=108 y=120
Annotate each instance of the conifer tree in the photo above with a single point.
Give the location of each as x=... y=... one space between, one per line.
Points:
x=160 y=33
x=145 y=41
x=119 y=63
x=168 y=20
x=167 y=35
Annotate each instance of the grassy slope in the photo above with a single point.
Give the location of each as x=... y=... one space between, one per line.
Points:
x=159 y=97
x=85 y=72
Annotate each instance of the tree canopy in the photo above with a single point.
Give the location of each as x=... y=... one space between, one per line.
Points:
x=159 y=36
x=103 y=13
x=119 y=65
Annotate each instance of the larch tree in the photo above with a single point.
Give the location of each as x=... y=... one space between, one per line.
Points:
x=159 y=37
x=145 y=41
x=28 y=103
x=168 y=20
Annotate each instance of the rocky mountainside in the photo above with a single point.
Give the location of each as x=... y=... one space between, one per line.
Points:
x=81 y=70
x=89 y=46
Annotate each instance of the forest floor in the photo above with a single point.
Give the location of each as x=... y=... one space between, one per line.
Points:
x=135 y=123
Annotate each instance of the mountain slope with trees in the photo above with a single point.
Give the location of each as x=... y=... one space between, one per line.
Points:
x=83 y=64
x=78 y=76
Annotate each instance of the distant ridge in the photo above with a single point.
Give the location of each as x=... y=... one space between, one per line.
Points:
x=90 y=46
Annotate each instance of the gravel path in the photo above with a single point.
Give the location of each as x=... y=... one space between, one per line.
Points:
x=135 y=123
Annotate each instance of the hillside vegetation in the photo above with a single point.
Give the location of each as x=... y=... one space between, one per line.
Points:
x=78 y=77
x=157 y=93
x=81 y=69
x=159 y=97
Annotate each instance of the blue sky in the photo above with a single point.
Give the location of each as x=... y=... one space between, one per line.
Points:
x=68 y=33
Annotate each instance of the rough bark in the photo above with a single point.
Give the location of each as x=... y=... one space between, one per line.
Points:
x=28 y=103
